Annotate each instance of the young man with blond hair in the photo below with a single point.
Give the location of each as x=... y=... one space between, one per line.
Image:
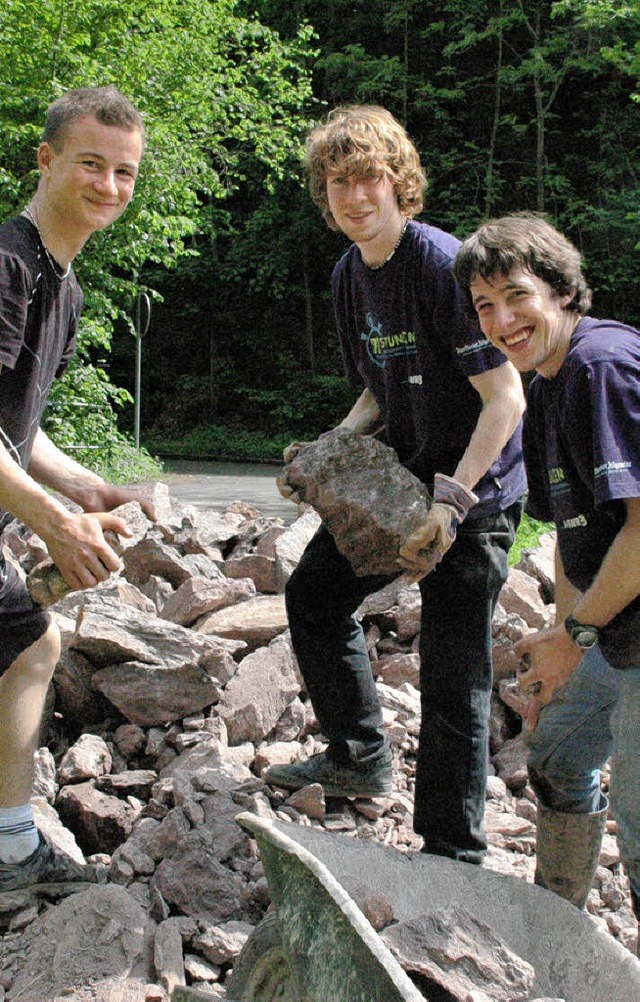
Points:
x=450 y=405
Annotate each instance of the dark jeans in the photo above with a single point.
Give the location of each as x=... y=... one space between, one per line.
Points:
x=458 y=602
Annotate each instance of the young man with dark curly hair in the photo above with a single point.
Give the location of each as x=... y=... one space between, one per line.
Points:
x=582 y=449
x=450 y=405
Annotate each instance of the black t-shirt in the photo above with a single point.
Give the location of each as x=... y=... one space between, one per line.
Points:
x=582 y=449
x=39 y=312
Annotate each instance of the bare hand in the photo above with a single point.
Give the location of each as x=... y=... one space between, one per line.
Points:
x=80 y=551
x=292 y=450
x=552 y=658
x=110 y=496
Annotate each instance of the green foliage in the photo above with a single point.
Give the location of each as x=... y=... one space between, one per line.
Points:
x=80 y=419
x=221 y=442
x=527 y=536
x=305 y=407
x=222 y=96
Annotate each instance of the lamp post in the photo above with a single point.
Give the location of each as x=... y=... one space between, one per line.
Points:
x=141 y=323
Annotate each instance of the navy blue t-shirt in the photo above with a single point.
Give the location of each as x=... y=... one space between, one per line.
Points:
x=405 y=336
x=39 y=312
x=582 y=450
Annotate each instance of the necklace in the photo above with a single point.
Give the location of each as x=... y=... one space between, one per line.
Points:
x=377 y=267
x=32 y=216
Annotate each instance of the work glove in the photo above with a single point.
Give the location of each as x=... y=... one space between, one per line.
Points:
x=424 y=550
x=288 y=455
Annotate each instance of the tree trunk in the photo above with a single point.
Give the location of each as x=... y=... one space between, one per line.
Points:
x=489 y=177
x=308 y=307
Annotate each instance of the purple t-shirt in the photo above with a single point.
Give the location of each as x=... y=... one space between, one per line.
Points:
x=405 y=336
x=38 y=318
x=582 y=449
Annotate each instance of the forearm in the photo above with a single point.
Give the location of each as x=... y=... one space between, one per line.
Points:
x=364 y=416
x=566 y=594
x=51 y=467
x=21 y=495
x=617 y=583
x=503 y=405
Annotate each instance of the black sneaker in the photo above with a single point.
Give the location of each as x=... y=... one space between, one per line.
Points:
x=338 y=781
x=47 y=865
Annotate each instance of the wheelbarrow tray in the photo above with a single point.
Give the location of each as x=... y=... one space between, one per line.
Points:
x=334 y=953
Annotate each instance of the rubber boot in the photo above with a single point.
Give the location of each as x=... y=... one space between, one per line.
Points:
x=568 y=852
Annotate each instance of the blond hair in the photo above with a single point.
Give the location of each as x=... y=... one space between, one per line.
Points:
x=365 y=141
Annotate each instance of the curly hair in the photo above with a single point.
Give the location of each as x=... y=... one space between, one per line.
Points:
x=107 y=104
x=366 y=141
x=523 y=240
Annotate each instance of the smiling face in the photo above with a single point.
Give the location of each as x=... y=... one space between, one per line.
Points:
x=89 y=180
x=522 y=316
x=366 y=210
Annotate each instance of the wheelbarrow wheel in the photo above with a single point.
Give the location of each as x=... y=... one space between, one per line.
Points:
x=261 y=972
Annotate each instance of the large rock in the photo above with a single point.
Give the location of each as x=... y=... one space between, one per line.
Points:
x=462 y=955
x=259 y=693
x=193 y=880
x=368 y=501
x=100 y=937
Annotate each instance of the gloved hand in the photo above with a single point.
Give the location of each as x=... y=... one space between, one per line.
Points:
x=292 y=450
x=424 y=550
x=283 y=486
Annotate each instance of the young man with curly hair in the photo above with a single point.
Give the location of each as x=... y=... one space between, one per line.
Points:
x=450 y=405
x=582 y=450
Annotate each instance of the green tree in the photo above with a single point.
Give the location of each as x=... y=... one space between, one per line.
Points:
x=223 y=97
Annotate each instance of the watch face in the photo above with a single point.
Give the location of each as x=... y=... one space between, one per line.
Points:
x=584 y=637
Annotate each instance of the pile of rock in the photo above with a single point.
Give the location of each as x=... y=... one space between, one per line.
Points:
x=177 y=687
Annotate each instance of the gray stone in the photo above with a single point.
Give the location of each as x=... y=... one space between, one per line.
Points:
x=256 y=621
x=156 y=694
x=255 y=698
x=461 y=954
x=99 y=936
x=368 y=501
x=101 y=822
x=167 y=955
x=193 y=880
x=87 y=758
x=198 y=596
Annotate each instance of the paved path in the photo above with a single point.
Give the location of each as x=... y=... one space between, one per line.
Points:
x=215 y=485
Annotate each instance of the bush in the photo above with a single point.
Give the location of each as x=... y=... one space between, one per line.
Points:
x=527 y=536
x=217 y=442
x=81 y=421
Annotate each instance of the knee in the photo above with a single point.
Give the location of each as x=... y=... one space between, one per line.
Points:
x=301 y=594
x=38 y=661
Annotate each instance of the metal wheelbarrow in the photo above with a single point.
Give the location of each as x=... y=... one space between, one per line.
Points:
x=317 y=946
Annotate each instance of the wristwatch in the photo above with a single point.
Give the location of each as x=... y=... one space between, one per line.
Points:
x=585 y=637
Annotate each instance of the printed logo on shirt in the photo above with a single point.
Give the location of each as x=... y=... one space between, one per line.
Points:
x=381 y=347
x=606 y=469
x=557 y=482
x=472 y=349
x=578 y=522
